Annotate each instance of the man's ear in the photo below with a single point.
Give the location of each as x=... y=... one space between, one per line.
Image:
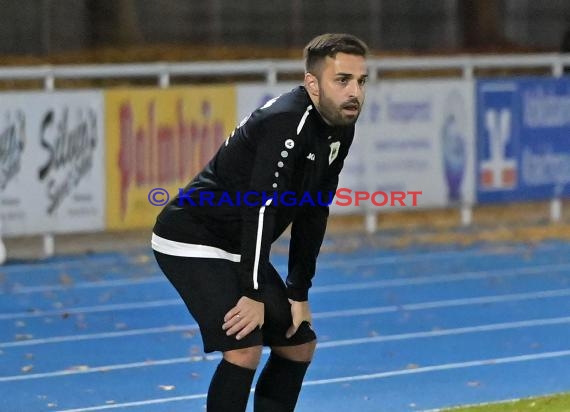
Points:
x=312 y=84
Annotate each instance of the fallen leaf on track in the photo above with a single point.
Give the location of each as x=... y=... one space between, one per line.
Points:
x=20 y=337
x=78 y=368
x=65 y=279
x=27 y=368
x=167 y=387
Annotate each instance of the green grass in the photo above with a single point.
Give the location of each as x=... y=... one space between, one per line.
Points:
x=553 y=403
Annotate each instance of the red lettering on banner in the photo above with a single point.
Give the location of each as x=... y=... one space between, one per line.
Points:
x=384 y=195
x=397 y=197
x=126 y=152
x=149 y=143
x=414 y=196
x=361 y=195
x=142 y=158
x=340 y=195
x=162 y=154
x=166 y=155
x=185 y=162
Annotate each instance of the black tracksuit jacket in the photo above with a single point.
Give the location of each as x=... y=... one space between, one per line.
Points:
x=277 y=157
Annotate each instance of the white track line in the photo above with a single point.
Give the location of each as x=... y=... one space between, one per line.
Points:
x=92 y=309
x=358 y=262
x=103 y=335
x=323 y=345
x=447 y=366
x=355 y=262
x=545 y=294
x=82 y=262
x=20 y=290
x=507 y=272
x=500 y=250
x=493 y=327
x=355 y=378
x=140 y=403
x=457 y=277
x=319 y=315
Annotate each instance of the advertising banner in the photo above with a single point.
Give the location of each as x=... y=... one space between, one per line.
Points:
x=523 y=149
x=51 y=162
x=418 y=137
x=157 y=141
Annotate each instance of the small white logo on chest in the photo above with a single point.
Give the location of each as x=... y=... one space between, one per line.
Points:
x=311 y=156
x=335 y=146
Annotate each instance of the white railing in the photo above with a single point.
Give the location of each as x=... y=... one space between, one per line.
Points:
x=270 y=70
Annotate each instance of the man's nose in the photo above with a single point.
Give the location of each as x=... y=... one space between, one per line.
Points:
x=353 y=89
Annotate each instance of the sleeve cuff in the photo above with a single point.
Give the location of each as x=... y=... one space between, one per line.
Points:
x=253 y=294
x=298 y=295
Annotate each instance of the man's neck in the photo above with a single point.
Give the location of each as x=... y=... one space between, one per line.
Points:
x=317 y=108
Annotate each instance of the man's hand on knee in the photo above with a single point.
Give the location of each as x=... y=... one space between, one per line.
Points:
x=244 y=317
x=300 y=312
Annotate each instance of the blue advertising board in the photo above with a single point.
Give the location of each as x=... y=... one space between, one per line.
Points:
x=523 y=139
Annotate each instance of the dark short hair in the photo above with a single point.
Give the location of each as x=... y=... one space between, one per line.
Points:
x=328 y=45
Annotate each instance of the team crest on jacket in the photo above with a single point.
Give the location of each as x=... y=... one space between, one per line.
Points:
x=334 y=151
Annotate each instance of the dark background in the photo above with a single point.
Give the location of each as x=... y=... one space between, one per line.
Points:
x=46 y=27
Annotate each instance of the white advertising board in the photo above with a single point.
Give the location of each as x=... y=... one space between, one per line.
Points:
x=51 y=162
x=420 y=138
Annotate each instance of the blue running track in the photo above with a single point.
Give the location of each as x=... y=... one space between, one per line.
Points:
x=399 y=330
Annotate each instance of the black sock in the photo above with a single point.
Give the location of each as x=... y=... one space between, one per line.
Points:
x=229 y=388
x=279 y=384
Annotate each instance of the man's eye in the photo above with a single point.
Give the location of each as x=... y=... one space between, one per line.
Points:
x=362 y=82
x=342 y=80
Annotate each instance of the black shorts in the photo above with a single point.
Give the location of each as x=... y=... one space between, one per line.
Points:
x=210 y=288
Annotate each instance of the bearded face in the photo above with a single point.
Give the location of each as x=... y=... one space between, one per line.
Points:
x=339 y=89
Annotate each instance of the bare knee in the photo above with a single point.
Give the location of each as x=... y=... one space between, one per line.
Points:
x=246 y=358
x=298 y=353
